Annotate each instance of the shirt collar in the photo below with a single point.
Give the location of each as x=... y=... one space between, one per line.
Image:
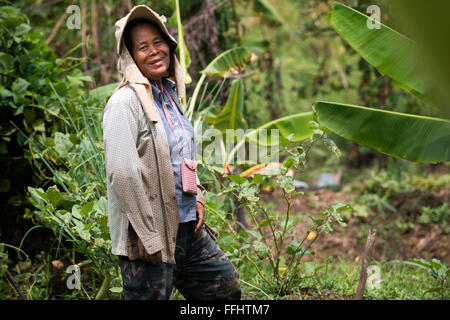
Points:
x=167 y=83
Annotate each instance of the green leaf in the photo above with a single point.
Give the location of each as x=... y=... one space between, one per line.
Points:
x=338 y=218
x=341 y=207
x=63 y=144
x=389 y=51
x=22 y=29
x=274 y=132
x=271 y=9
x=39 y=125
x=86 y=209
x=37 y=196
x=226 y=61
x=292 y=247
x=250 y=193
x=85 y=235
x=257 y=178
x=5 y=93
x=286 y=183
x=296 y=126
x=261 y=249
x=231 y=115
x=20 y=87
x=255 y=234
x=318 y=222
x=328 y=227
x=265 y=222
x=289 y=162
x=411 y=137
x=101 y=206
x=116 y=289
x=6 y=60
x=54 y=196
x=437 y=264
x=104 y=92
x=237 y=178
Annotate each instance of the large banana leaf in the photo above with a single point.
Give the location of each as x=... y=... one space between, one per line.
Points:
x=296 y=127
x=429 y=25
x=411 y=137
x=104 y=92
x=226 y=61
x=231 y=115
x=221 y=66
x=389 y=51
x=272 y=11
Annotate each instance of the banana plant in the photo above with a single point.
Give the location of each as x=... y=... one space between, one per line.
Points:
x=295 y=127
x=412 y=137
x=185 y=58
x=292 y=128
x=222 y=66
x=231 y=115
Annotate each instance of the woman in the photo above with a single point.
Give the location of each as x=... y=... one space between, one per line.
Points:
x=157 y=226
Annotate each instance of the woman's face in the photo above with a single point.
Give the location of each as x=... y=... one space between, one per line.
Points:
x=150 y=52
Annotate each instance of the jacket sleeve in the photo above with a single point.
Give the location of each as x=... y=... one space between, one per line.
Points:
x=120 y=135
x=200 y=193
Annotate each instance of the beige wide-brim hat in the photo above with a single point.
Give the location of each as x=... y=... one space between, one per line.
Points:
x=141 y=12
x=126 y=65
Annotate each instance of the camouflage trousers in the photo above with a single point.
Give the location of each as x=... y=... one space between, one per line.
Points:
x=202 y=271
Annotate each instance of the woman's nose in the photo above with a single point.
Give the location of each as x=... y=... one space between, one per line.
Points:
x=153 y=50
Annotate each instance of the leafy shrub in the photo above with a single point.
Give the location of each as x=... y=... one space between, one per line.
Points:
x=30 y=74
x=28 y=68
x=75 y=207
x=268 y=254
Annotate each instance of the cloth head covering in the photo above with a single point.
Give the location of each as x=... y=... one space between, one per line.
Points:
x=129 y=70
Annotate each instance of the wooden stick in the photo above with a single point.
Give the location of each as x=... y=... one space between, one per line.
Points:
x=15 y=285
x=58 y=26
x=365 y=264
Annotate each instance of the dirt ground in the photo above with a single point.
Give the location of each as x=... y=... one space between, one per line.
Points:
x=422 y=241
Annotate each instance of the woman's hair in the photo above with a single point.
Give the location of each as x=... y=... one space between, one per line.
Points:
x=129 y=41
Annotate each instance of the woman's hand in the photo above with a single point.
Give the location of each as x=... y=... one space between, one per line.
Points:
x=200 y=216
x=155 y=258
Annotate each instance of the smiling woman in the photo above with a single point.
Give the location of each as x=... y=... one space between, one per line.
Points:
x=155 y=200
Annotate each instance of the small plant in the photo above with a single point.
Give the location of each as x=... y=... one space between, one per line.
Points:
x=440 y=215
x=438 y=271
x=275 y=252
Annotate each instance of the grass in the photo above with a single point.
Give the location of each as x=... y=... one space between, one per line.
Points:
x=400 y=281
